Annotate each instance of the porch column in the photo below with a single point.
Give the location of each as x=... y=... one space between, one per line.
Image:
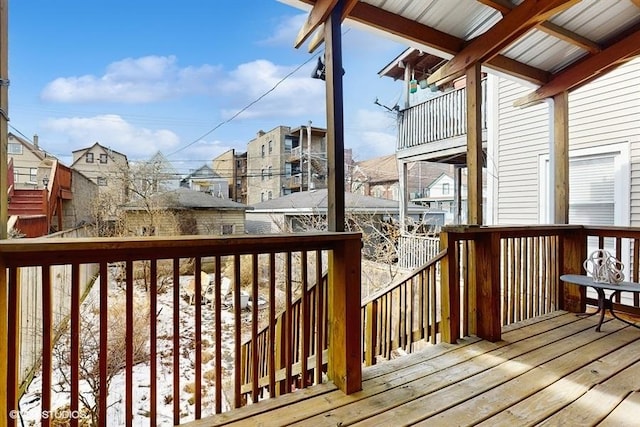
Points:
x=474 y=144
x=335 y=120
x=404 y=194
x=4 y=291
x=560 y=158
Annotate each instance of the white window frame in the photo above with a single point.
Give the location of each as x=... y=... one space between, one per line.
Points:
x=622 y=189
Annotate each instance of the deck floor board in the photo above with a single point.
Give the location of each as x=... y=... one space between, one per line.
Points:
x=553 y=370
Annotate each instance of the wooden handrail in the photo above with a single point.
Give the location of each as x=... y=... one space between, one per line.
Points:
x=137 y=255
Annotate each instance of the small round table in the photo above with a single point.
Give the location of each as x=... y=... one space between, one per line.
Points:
x=600 y=287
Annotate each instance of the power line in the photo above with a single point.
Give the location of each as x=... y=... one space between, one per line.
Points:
x=246 y=107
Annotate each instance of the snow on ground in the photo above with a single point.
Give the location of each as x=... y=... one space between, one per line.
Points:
x=30 y=403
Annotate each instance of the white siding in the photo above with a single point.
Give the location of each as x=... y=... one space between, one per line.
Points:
x=606 y=111
x=522 y=137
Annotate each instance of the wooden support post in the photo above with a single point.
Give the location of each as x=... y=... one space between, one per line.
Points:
x=4 y=345
x=450 y=290
x=335 y=120
x=345 y=350
x=573 y=251
x=561 y=158
x=404 y=194
x=487 y=283
x=474 y=145
x=4 y=118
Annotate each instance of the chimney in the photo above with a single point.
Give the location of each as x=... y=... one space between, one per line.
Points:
x=35 y=140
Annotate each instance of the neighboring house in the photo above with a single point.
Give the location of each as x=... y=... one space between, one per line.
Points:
x=27 y=158
x=163 y=175
x=204 y=179
x=604 y=142
x=182 y=212
x=233 y=167
x=379 y=177
x=280 y=162
x=295 y=211
x=107 y=168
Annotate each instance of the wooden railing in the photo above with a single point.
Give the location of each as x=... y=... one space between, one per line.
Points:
x=10 y=179
x=437 y=119
x=59 y=189
x=499 y=275
x=404 y=315
x=624 y=244
x=416 y=250
x=147 y=272
x=299 y=335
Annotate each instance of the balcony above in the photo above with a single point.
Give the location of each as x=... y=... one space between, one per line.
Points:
x=435 y=130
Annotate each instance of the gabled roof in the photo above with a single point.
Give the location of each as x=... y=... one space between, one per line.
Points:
x=316 y=201
x=187 y=199
x=438 y=179
x=37 y=151
x=379 y=169
x=108 y=151
x=202 y=172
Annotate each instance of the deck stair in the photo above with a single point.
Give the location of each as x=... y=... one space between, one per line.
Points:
x=28 y=202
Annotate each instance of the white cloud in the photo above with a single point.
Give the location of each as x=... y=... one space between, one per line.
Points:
x=286 y=31
x=114 y=132
x=297 y=95
x=371 y=134
x=133 y=80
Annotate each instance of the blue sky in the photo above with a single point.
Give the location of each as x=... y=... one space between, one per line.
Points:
x=140 y=76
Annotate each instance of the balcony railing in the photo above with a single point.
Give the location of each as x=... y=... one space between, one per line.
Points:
x=440 y=118
x=484 y=278
x=147 y=273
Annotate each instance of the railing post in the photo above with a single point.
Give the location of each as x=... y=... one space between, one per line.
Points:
x=345 y=350
x=4 y=346
x=573 y=252
x=371 y=333
x=487 y=283
x=450 y=290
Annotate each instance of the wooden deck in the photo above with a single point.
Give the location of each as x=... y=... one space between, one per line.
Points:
x=551 y=370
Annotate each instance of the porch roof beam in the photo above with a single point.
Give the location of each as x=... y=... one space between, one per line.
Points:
x=505 y=6
x=513 y=25
x=321 y=11
x=414 y=31
x=586 y=69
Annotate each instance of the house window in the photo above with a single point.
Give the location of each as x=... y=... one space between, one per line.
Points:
x=262 y=150
x=14 y=148
x=227 y=229
x=262 y=197
x=270 y=196
x=262 y=174
x=102 y=181
x=89 y=157
x=445 y=188
x=33 y=174
x=270 y=172
x=270 y=147
x=103 y=158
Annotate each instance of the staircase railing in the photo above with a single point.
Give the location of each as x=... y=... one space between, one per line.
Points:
x=400 y=318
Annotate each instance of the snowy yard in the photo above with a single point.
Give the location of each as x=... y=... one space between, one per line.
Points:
x=30 y=407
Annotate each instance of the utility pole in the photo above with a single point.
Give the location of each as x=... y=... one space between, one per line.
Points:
x=310 y=185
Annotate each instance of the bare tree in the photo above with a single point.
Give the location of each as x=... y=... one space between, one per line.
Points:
x=89 y=350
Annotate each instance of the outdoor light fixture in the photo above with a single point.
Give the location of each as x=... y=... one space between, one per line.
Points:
x=319 y=71
x=45 y=181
